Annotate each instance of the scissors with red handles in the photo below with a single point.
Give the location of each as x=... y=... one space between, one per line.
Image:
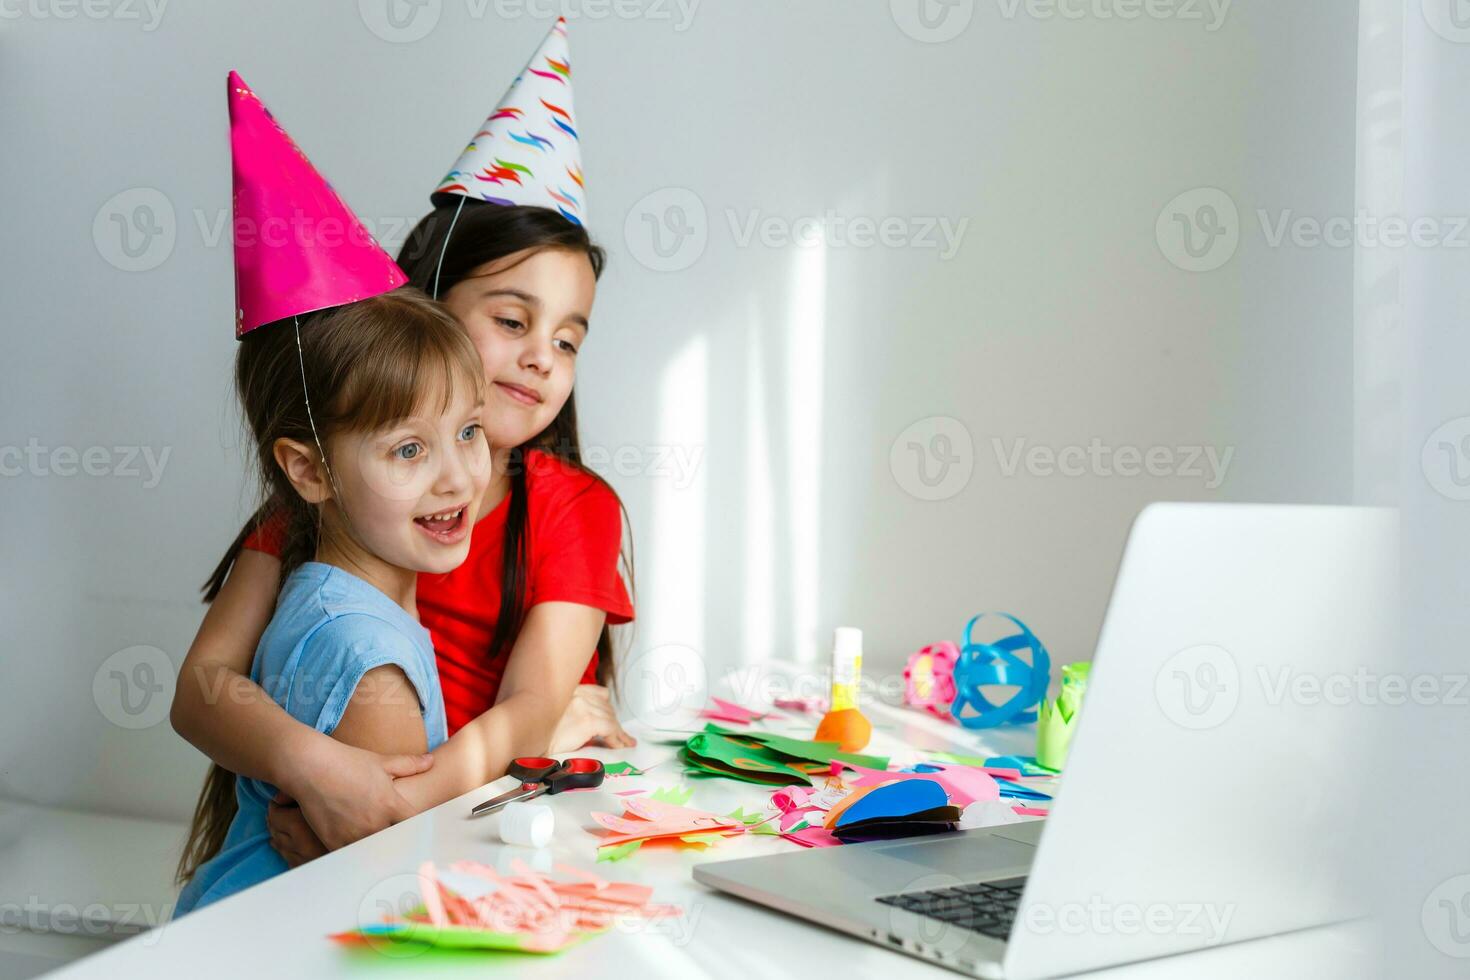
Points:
x=539 y=776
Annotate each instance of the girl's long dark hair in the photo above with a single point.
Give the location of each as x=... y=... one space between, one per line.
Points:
x=478 y=234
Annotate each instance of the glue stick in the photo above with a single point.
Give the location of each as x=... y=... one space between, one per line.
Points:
x=844 y=722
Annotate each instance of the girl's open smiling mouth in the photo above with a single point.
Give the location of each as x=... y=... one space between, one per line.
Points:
x=446 y=526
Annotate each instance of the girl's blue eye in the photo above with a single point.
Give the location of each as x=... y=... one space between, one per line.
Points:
x=469 y=432
x=411 y=450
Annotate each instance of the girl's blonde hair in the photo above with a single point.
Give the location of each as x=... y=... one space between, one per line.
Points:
x=364 y=366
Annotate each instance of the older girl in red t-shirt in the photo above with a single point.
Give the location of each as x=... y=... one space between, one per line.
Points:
x=525 y=618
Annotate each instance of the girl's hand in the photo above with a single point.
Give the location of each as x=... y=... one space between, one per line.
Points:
x=589 y=719
x=347 y=793
x=291 y=836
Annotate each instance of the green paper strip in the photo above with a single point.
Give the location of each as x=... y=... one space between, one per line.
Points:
x=616 y=852
x=453 y=937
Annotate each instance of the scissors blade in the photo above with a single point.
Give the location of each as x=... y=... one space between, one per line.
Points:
x=521 y=792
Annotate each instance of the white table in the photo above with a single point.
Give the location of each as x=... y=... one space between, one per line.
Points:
x=279 y=928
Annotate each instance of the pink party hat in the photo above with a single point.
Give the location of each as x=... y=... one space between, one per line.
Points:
x=298 y=248
x=527 y=151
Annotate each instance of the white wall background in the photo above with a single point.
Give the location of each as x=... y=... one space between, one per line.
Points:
x=787 y=372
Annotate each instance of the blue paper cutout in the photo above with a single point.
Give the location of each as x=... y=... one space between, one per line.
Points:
x=900 y=799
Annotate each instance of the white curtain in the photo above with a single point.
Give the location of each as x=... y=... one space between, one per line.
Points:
x=1413 y=450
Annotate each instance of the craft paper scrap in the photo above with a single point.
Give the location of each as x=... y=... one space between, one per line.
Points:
x=1026 y=763
x=898 y=799
x=722 y=710
x=649 y=819
x=678 y=795
x=805 y=705
x=801 y=748
x=1057 y=719
x=1019 y=792
x=903 y=808
x=965 y=784
x=988 y=813
x=741 y=758
x=527 y=911
x=621 y=769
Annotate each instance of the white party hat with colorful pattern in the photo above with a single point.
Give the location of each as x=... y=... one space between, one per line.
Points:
x=527 y=151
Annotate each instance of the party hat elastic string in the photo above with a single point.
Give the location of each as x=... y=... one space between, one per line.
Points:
x=306 y=394
x=445 y=247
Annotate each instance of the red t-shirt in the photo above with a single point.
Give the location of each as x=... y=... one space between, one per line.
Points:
x=574 y=530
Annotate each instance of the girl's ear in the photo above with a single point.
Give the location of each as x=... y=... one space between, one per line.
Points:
x=302 y=467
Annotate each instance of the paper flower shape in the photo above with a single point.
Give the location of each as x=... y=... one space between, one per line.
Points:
x=929 y=678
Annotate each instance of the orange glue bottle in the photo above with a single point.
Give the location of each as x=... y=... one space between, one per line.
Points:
x=844 y=722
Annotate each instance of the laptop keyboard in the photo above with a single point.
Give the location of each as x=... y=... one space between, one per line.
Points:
x=988 y=907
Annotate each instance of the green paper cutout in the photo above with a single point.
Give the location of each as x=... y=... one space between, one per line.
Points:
x=445 y=937
x=702 y=838
x=750 y=762
x=1057 y=719
x=806 y=749
x=746 y=818
x=621 y=768
x=677 y=795
x=617 y=852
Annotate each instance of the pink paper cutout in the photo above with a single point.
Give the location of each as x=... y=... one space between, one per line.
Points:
x=964 y=784
x=1029 y=811
x=548 y=913
x=804 y=705
x=813 y=837
x=650 y=819
x=728 y=711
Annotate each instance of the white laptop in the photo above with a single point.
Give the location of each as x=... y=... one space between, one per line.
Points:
x=1213 y=781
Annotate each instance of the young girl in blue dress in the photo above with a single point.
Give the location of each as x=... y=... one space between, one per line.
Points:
x=368 y=434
